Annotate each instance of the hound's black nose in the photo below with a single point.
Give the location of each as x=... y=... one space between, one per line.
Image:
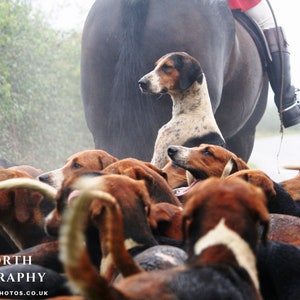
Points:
x=44 y=178
x=172 y=150
x=143 y=84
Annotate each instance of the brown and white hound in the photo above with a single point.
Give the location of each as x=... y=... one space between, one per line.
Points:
x=155 y=179
x=78 y=163
x=121 y=209
x=205 y=160
x=220 y=225
x=181 y=76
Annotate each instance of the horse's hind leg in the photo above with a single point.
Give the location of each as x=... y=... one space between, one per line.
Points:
x=243 y=141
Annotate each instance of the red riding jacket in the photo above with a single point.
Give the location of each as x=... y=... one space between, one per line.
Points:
x=242 y=4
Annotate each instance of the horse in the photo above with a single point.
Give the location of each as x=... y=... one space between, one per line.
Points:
x=122 y=39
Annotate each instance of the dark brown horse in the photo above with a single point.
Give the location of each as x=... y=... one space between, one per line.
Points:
x=121 y=41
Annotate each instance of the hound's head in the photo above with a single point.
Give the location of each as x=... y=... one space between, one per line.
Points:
x=173 y=73
x=206 y=160
x=241 y=204
x=79 y=163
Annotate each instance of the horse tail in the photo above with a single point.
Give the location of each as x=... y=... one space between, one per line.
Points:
x=129 y=107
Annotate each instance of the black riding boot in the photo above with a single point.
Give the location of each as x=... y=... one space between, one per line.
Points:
x=278 y=68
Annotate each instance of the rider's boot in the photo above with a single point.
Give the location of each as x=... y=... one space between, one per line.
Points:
x=279 y=68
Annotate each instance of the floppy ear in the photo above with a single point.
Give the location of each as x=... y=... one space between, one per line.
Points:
x=140 y=174
x=193 y=206
x=167 y=218
x=237 y=164
x=263 y=181
x=190 y=71
x=257 y=206
x=144 y=195
x=157 y=170
x=258 y=179
x=96 y=209
x=106 y=160
x=159 y=213
x=21 y=198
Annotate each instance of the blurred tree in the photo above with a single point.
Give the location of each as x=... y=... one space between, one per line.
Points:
x=41 y=114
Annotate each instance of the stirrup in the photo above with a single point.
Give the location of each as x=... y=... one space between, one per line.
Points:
x=291 y=114
x=297 y=102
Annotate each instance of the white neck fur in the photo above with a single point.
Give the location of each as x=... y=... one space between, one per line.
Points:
x=195 y=101
x=221 y=234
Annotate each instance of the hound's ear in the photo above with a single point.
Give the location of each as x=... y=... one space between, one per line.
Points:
x=237 y=164
x=167 y=218
x=160 y=212
x=97 y=208
x=140 y=174
x=190 y=72
x=263 y=214
x=157 y=170
x=257 y=204
x=106 y=160
x=20 y=199
x=263 y=181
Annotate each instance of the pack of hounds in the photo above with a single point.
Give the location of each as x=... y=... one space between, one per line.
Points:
x=194 y=223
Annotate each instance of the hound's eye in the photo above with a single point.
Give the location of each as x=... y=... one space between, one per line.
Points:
x=206 y=152
x=166 y=68
x=76 y=166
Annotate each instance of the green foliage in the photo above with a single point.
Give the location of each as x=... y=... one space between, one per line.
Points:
x=41 y=114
